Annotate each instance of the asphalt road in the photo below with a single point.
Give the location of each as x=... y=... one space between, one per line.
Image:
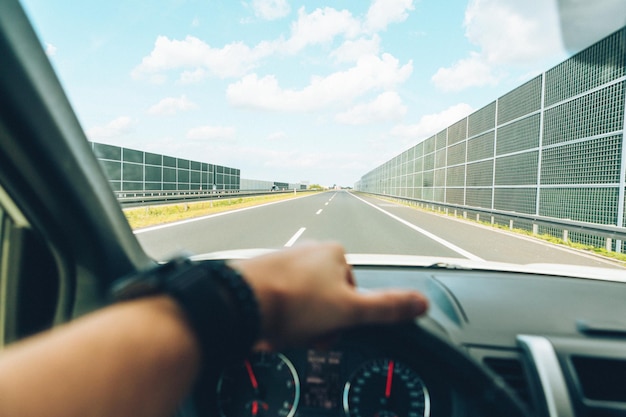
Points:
x=362 y=224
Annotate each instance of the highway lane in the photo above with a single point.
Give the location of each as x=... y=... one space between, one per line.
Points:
x=363 y=224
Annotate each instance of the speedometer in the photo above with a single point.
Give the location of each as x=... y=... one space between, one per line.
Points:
x=264 y=385
x=386 y=388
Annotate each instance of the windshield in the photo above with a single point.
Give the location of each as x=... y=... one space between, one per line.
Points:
x=469 y=129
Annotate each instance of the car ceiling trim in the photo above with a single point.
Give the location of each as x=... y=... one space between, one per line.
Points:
x=550 y=375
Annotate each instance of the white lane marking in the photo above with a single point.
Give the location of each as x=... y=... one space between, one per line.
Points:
x=319 y=211
x=326 y=203
x=224 y=213
x=436 y=238
x=295 y=237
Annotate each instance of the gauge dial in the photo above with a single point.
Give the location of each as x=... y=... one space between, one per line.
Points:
x=386 y=388
x=264 y=385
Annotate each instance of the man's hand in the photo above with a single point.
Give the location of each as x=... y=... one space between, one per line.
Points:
x=307 y=292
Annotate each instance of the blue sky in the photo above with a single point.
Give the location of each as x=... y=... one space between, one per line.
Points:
x=289 y=91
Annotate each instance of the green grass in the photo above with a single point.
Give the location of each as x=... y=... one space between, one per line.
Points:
x=544 y=236
x=139 y=217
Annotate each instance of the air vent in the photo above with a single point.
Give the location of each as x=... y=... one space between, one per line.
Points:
x=512 y=372
x=601 y=379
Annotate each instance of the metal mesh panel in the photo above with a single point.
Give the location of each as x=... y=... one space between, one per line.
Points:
x=594 y=161
x=455 y=176
x=593 y=114
x=429 y=162
x=429 y=145
x=480 y=174
x=131 y=155
x=152 y=173
x=440 y=158
x=456 y=154
x=520 y=200
x=601 y=63
x=439 y=194
x=418 y=165
x=428 y=194
x=419 y=149
x=441 y=139
x=480 y=147
x=440 y=177
x=478 y=197
x=521 y=101
x=112 y=169
x=482 y=120
x=595 y=205
x=520 y=169
x=111 y=152
x=153 y=159
x=417 y=179
x=455 y=196
x=132 y=172
x=519 y=136
x=457 y=132
x=429 y=178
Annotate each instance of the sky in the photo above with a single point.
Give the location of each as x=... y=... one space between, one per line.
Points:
x=289 y=91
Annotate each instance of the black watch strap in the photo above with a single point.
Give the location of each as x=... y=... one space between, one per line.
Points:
x=219 y=305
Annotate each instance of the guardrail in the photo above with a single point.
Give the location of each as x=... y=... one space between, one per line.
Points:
x=607 y=232
x=133 y=198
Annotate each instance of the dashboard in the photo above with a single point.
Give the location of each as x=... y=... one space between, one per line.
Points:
x=554 y=344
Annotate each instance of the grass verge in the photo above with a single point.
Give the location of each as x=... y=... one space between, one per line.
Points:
x=139 y=217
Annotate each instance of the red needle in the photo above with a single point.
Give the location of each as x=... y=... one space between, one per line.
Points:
x=255 y=408
x=253 y=380
x=389 y=378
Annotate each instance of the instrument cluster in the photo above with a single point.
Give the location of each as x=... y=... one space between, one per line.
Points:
x=341 y=382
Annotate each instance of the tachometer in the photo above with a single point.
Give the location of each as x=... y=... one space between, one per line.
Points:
x=386 y=388
x=264 y=385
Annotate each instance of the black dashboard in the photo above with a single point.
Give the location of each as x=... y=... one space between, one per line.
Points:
x=556 y=344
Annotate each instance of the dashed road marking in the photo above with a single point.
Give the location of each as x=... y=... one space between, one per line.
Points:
x=319 y=211
x=295 y=237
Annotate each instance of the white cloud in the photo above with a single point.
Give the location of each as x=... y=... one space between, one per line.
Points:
x=192 y=54
x=507 y=33
x=430 y=124
x=513 y=32
x=193 y=76
x=277 y=136
x=115 y=128
x=51 y=50
x=270 y=9
x=386 y=107
x=470 y=72
x=172 y=105
x=195 y=60
x=352 y=50
x=383 y=12
x=370 y=73
x=211 y=133
x=321 y=26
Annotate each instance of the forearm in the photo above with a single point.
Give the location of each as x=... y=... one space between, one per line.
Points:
x=133 y=359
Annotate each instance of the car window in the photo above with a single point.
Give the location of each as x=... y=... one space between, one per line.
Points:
x=478 y=112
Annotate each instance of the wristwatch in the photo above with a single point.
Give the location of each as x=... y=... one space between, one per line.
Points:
x=218 y=303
